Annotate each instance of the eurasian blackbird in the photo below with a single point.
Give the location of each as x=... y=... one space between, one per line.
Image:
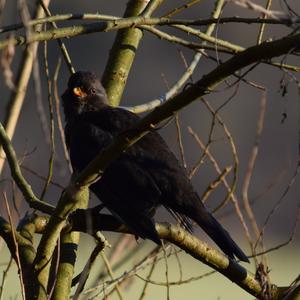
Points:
x=144 y=177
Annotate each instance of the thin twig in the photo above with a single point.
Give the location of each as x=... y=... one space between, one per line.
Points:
x=17 y=254
x=143 y=263
x=288 y=241
x=51 y=115
x=62 y=46
x=213 y=185
x=167 y=271
x=181 y=8
x=118 y=264
x=179 y=282
x=258 y=8
x=263 y=25
x=186 y=75
x=230 y=194
x=250 y=167
x=54 y=183
x=143 y=293
x=110 y=272
x=87 y=269
x=39 y=101
x=21 y=182
x=59 y=118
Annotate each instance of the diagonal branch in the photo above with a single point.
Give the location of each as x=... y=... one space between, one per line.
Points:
x=204 y=86
x=16 y=173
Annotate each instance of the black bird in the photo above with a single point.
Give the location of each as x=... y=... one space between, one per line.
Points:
x=144 y=177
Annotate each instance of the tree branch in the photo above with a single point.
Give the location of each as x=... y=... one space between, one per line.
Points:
x=103 y=26
x=204 y=86
x=16 y=173
x=87 y=220
x=155 y=21
x=123 y=51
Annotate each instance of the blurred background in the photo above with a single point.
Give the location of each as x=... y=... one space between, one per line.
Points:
x=159 y=64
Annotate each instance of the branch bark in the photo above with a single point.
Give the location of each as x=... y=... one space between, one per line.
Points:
x=123 y=52
x=17 y=175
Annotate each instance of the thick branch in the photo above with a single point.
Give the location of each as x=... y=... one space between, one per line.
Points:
x=204 y=86
x=123 y=52
x=71 y=199
x=84 y=221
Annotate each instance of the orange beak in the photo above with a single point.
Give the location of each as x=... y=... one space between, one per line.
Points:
x=79 y=92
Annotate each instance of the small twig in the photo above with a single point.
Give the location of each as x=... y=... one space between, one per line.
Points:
x=250 y=167
x=263 y=25
x=278 y=202
x=151 y=7
x=230 y=190
x=181 y=8
x=167 y=270
x=178 y=263
x=14 y=199
x=54 y=183
x=56 y=260
x=62 y=46
x=110 y=272
x=17 y=256
x=186 y=75
x=51 y=115
x=258 y=8
x=213 y=185
x=179 y=282
x=290 y=183
x=59 y=118
x=39 y=100
x=88 y=266
x=143 y=293
x=143 y=263
x=288 y=241
x=115 y=266
x=21 y=182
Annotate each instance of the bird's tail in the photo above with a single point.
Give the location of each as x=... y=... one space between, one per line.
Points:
x=218 y=234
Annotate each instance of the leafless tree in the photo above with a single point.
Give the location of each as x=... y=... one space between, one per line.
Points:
x=225 y=70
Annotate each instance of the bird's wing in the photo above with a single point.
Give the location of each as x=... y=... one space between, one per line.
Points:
x=85 y=141
x=131 y=195
x=125 y=188
x=150 y=154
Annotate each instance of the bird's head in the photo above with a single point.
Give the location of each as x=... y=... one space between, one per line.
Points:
x=84 y=93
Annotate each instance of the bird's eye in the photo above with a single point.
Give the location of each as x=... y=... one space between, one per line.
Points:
x=92 y=91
